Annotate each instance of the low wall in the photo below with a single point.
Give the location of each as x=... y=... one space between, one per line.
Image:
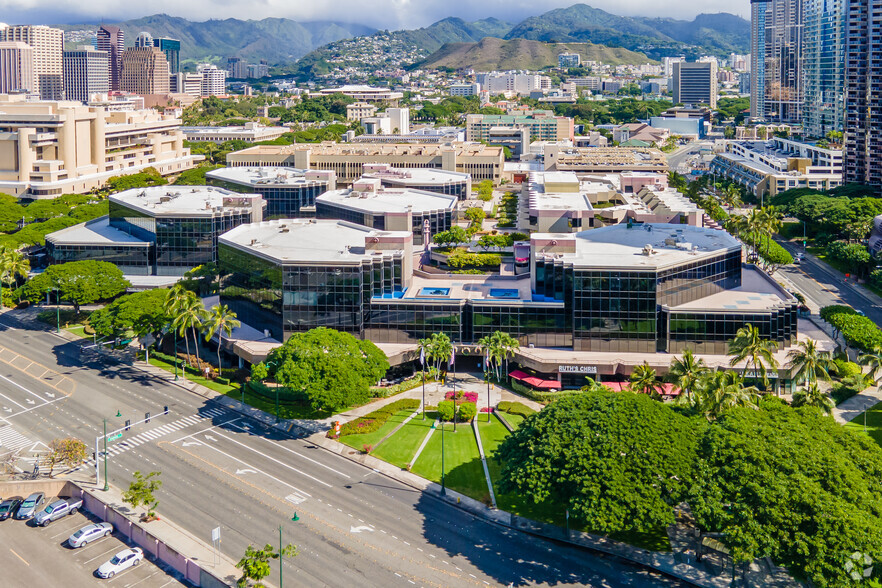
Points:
x=51 y=488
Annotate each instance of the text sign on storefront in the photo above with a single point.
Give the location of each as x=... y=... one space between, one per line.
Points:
x=576 y=369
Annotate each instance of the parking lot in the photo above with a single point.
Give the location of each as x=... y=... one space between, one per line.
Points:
x=40 y=556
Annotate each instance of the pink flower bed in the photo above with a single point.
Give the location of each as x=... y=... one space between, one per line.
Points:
x=463 y=397
x=485 y=409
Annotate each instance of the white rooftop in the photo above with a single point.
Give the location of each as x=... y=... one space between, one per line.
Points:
x=267 y=175
x=179 y=200
x=758 y=292
x=421 y=176
x=389 y=200
x=94 y=232
x=313 y=241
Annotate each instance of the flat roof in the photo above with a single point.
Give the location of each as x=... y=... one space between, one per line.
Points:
x=313 y=241
x=94 y=232
x=758 y=292
x=618 y=246
x=178 y=200
x=419 y=175
x=487 y=288
x=543 y=196
x=389 y=200
x=264 y=176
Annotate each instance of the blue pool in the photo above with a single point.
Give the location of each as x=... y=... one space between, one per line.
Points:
x=504 y=293
x=434 y=292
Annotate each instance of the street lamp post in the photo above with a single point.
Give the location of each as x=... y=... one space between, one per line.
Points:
x=277 y=404
x=106 y=483
x=175 y=353
x=57 y=308
x=281 y=557
x=443 y=489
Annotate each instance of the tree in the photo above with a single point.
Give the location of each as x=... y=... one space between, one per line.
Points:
x=454 y=236
x=758 y=352
x=645 y=381
x=255 y=564
x=873 y=360
x=138 y=313
x=438 y=349
x=773 y=256
x=189 y=313
x=222 y=321
x=686 y=372
x=807 y=363
x=719 y=392
x=333 y=369
x=475 y=216
x=79 y=282
x=141 y=492
x=790 y=484
x=13 y=265
x=811 y=395
x=618 y=461
x=69 y=451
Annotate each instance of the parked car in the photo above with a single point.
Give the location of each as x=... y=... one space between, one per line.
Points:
x=89 y=533
x=121 y=562
x=57 y=510
x=8 y=507
x=30 y=506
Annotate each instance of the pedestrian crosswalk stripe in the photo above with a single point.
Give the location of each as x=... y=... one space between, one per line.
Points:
x=12 y=440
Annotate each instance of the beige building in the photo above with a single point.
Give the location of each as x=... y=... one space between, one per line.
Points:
x=48 y=44
x=144 y=70
x=360 y=110
x=17 y=67
x=482 y=162
x=597 y=160
x=53 y=148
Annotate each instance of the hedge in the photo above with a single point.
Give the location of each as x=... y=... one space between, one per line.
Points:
x=829 y=311
x=376 y=419
x=517 y=408
x=859 y=331
x=841 y=393
x=539 y=396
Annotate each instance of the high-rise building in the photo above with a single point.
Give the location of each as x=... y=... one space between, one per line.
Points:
x=17 y=67
x=863 y=102
x=213 y=80
x=144 y=39
x=112 y=40
x=86 y=72
x=144 y=71
x=776 y=43
x=237 y=68
x=48 y=44
x=187 y=83
x=695 y=83
x=569 y=60
x=824 y=66
x=172 y=50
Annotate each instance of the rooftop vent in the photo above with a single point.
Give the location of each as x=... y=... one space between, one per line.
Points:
x=647 y=250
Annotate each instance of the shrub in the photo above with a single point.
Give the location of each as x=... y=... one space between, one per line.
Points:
x=461 y=259
x=517 y=408
x=462 y=396
x=222 y=380
x=841 y=393
x=445 y=410
x=467 y=411
x=829 y=311
x=376 y=419
x=846 y=369
x=859 y=331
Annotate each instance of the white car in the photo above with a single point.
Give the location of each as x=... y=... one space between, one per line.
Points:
x=89 y=533
x=121 y=562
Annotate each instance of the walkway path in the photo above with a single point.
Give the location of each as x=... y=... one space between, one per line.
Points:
x=852 y=408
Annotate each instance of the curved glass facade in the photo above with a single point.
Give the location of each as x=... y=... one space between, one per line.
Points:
x=282 y=201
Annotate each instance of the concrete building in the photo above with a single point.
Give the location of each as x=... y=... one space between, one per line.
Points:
x=144 y=39
x=112 y=41
x=482 y=162
x=603 y=160
x=360 y=110
x=542 y=125
x=464 y=89
x=214 y=80
x=17 y=68
x=144 y=70
x=288 y=192
x=86 y=73
x=53 y=148
x=695 y=83
x=777 y=76
x=640 y=132
x=237 y=68
x=365 y=93
x=421 y=179
x=569 y=60
x=187 y=83
x=513 y=82
x=251 y=132
x=158 y=231
x=48 y=44
x=172 y=50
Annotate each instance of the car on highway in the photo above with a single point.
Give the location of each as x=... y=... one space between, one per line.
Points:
x=89 y=533
x=8 y=507
x=30 y=506
x=56 y=510
x=121 y=562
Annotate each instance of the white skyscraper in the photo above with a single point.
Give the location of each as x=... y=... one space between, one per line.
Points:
x=48 y=44
x=86 y=72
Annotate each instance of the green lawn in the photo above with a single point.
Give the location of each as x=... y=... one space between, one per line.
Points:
x=401 y=447
x=874 y=423
x=79 y=331
x=359 y=441
x=223 y=389
x=514 y=420
x=462 y=463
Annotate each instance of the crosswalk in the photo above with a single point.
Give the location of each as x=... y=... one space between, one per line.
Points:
x=12 y=440
x=161 y=431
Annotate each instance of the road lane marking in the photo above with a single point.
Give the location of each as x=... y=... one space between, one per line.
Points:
x=21 y=558
x=298 y=454
x=104 y=554
x=142 y=579
x=16 y=384
x=13 y=401
x=208 y=429
x=34 y=407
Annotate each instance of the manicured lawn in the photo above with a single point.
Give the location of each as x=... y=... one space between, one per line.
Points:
x=514 y=420
x=462 y=463
x=874 y=423
x=287 y=410
x=79 y=331
x=359 y=441
x=223 y=389
x=401 y=447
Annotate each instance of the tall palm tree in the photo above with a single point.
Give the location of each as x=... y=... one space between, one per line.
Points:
x=645 y=381
x=686 y=372
x=12 y=266
x=808 y=363
x=771 y=221
x=719 y=392
x=438 y=349
x=873 y=360
x=753 y=228
x=732 y=196
x=811 y=395
x=189 y=314
x=759 y=353
x=499 y=347
x=222 y=321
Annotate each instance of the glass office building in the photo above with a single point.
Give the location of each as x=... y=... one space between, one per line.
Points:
x=288 y=192
x=424 y=179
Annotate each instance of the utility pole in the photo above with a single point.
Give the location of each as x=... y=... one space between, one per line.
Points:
x=281 y=563
x=106 y=483
x=443 y=489
x=175 y=353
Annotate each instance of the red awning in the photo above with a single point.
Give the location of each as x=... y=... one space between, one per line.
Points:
x=666 y=388
x=535 y=381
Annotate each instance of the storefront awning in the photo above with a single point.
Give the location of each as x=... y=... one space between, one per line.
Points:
x=535 y=381
x=665 y=389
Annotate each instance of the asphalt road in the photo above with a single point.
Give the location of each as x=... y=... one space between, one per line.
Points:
x=356 y=527
x=679 y=157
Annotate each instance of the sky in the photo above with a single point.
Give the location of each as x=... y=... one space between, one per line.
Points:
x=382 y=14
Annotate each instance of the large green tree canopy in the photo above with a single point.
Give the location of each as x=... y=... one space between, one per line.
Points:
x=334 y=369
x=78 y=282
x=619 y=461
x=138 y=313
x=791 y=484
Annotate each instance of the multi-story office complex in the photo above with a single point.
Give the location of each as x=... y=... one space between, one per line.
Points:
x=112 y=41
x=360 y=110
x=569 y=60
x=288 y=192
x=695 y=83
x=251 y=132
x=144 y=39
x=464 y=89
x=160 y=230
x=824 y=66
x=777 y=92
x=17 y=68
x=187 y=83
x=237 y=68
x=542 y=125
x=428 y=180
x=863 y=100
x=601 y=160
x=482 y=162
x=86 y=72
x=172 y=50
x=53 y=148
x=48 y=44
x=144 y=71
x=517 y=83
x=214 y=80
x=365 y=93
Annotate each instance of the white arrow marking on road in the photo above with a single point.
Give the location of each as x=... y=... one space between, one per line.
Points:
x=210 y=438
x=359 y=529
x=189 y=443
x=50 y=394
x=245 y=471
x=29 y=401
x=7 y=409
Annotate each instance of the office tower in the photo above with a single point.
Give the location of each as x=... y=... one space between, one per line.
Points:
x=776 y=53
x=569 y=60
x=17 y=67
x=863 y=102
x=48 y=44
x=144 y=39
x=172 y=50
x=112 y=40
x=237 y=68
x=86 y=72
x=213 y=80
x=144 y=71
x=695 y=83
x=824 y=66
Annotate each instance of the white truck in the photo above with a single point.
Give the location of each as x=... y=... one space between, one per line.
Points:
x=57 y=510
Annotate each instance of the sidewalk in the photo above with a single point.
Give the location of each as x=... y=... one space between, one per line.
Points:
x=852 y=408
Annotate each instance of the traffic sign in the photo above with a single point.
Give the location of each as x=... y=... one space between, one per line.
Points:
x=114 y=437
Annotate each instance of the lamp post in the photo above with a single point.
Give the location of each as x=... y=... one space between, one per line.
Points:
x=175 y=353
x=57 y=308
x=106 y=483
x=281 y=557
x=443 y=489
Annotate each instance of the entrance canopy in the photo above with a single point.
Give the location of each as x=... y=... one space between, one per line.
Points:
x=535 y=381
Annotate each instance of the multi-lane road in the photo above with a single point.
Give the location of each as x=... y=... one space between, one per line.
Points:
x=219 y=468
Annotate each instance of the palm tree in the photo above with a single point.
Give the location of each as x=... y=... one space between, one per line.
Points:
x=874 y=361
x=753 y=227
x=811 y=395
x=686 y=372
x=499 y=347
x=438 y=349
x=771 y=219
x=732 y=196
x=189 y=313
x=809 y=363
x=12 y=266
x=719 y=392
x=644 y=381
x=222 y=321
x=759 y=353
